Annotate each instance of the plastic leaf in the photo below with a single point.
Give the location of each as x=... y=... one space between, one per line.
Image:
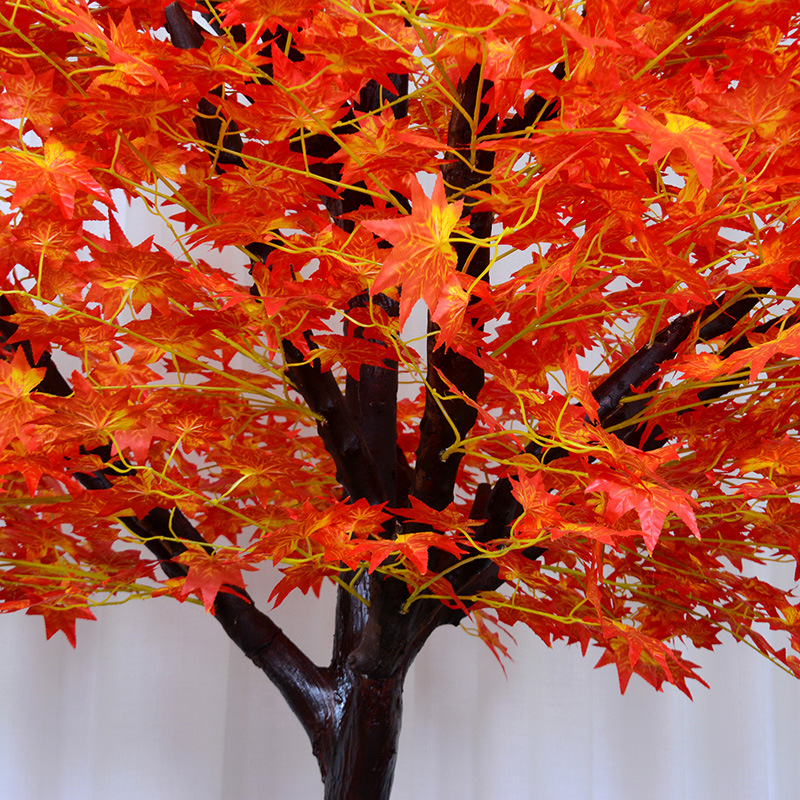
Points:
x=651 y=501
x=59 y=171
x=208 y=574
x=422 y=260
x=699 y=141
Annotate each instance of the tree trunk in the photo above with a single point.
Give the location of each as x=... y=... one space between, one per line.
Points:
x=358 y=760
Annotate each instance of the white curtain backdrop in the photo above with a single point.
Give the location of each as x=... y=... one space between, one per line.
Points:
x=155 y=703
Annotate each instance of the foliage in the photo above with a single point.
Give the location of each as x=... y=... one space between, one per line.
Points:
x=597 y=434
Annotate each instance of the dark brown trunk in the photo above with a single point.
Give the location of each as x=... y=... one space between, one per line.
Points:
x=358 y=760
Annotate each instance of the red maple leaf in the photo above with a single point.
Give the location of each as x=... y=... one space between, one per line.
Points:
x=422 y=260
x=59 y=171
x=699 y=141
x=209 y=573
x=651 y=501
x=413 y=546
x=305 y=576
x=62 y=618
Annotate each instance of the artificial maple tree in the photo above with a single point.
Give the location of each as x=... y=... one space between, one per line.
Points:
x=596 y=434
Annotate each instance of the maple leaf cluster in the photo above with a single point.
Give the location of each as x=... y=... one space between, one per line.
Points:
x=597 y=206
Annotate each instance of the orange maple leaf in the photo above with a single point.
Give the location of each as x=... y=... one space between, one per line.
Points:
x=59 y=172
x=91 y=418
x=384 y=148
x=578 y=384
x=209 y=574
x=759 y=103
x=17 y=408
x=31 y=97
x=422 y=260
x=269 y=13
x=141 y=274
x=787 y=342
x=699 y=141
x=540 y=507
x=651 y=501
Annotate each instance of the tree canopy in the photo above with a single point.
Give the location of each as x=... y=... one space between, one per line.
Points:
x=595 y=435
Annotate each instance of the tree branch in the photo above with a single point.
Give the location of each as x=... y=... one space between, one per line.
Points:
x=343 y=439
x=373 y=396
x=306 y=688
x=388 y=631
x=220 y=136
